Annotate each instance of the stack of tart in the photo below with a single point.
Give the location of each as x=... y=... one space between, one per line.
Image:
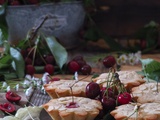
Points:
x=69 y=102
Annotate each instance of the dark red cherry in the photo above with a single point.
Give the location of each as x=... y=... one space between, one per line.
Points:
x=109 y=61
x=108 y=103
x=38 y=61
x=30 y=70
x=81 y=63
x=15 y=2
x=72 y=105
x=28 y=61
x=49 y=68
x=78 y=57
x=73 y=67
x=109 y=92
x=86 y=69
x=124 y=98
x=50 y=59
x=92 y=90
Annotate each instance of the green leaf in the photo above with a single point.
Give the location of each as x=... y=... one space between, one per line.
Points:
x=5 y=61
x=18 y=61
x=2 y=9
x=58 y=51
x=150 y=65
x=151 y=68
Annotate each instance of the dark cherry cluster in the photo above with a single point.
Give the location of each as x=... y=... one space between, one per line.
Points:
x=32 y=59
x=25 y=2
x=110 y=96
x=8 y=107
x=79 y=64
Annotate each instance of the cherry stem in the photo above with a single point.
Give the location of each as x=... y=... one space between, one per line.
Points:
x=157 y=79
x=35 y=29
x=72 y=94
x=74 y=84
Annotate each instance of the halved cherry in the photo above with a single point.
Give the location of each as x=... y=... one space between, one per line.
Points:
x=72 y=105
x=55 y=79
x=7 y=107
x=12 y=97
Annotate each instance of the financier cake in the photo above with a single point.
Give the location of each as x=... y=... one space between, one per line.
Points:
x=147 y=92
x=62 y=88
x=73 y=108
x=146 y=111
x=130 y=79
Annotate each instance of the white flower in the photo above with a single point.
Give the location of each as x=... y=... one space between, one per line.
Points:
x=123 y=58
x=28 y=77
x=45 y=78
x=132 y=60
x=4 y=84
x=8 y=88
x=43 y=90
x=35 y=80
x=76 y=75
x=138 y=57
x=119 y=61
x=27 y=83
x=29 y=91
x=17 y=87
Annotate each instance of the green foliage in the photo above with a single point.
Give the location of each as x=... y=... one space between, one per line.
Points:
x=94 y=34
x=18 y=62
x=58 y=51
x=151 y=68
x=149 y=33
x=5 y=61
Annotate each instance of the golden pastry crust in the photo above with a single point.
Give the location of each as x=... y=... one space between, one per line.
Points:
x=147 y=111
x=147 y=92
x=61 y=88
x=130 y=79
x=87 y=108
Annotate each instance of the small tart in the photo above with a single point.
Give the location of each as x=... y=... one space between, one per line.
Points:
x=147 y=92
x=61 y=88
x=128 y=78
x=87 y=109
x=146 y=111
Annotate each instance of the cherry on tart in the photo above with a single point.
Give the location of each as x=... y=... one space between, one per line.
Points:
x=92 y=90
x=12 y=97
x=72 y=105
x=107 y=92
x=7 y=107
x=124 y=98
x=108 y=103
